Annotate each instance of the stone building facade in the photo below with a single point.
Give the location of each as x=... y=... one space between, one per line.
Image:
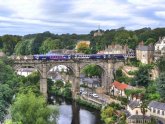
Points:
x=159 y=48
x=157 y=110
x=136 y=116
x=115 y=49
x=145 y=53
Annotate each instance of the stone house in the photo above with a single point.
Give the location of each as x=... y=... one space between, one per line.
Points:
x=138 y=119
x=145 y=53
x=62 y=51
x=98 y=33
x=157 y=110
x=115 y=49
x=159 y=48
x=118 y=49
x=136 y=116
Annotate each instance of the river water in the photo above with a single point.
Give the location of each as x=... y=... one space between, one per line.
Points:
x=72 y=113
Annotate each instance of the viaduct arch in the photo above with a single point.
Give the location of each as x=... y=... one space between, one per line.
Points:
x=75 y=65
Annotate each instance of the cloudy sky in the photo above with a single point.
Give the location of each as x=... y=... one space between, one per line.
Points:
x=78 y=16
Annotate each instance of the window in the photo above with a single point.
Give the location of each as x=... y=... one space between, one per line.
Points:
x=154 y=110
x=162 y=112
x=136 y=112
x=158 y=112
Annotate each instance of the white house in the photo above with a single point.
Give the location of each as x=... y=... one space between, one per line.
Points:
x=118 y=89
x=159 y=48
x=25 y=71
x=157 y=109
x=160 y=44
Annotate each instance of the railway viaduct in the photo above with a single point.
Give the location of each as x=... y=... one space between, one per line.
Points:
x=43 y=67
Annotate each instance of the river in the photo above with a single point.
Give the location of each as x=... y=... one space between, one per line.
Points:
x=72 y=113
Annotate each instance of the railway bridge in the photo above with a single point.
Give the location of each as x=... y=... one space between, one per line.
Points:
x=43 y=67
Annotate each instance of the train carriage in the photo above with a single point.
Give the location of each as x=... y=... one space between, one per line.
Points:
x=60 y=57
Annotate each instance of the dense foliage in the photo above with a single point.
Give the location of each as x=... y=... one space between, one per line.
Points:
x=83 y=47
x=142 y=77
x=8 y=86
x=43 y=42
x=161 y=64
x=110 y=115
x=161 y=85
x=119 y=76
x=59 y=88
x=8 y=42
x=92 y=70
x=31 y=109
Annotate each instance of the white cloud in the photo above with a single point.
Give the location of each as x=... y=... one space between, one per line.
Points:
x=74 y=16
x=143 y=21
x=110 y=8
x=160 y=14
x=23 y=8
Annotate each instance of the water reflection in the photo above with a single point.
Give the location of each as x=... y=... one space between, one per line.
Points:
x=75 y=113
x=72 y=113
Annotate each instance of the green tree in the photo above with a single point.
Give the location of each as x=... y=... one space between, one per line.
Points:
x=24 y=47
x=161 y=63
x=31 y=82
x=92 y=70
x=50 y=44
x=8 y=86
x=152 y=93
x=119 y=76
x=143 y=108
x=122 y=37
x=107 y=115
x=83 y=47
x=59 y=83
x=9 y=43
x=30 y=109
x=161 y=85
x=142 y=77
x=150 y=41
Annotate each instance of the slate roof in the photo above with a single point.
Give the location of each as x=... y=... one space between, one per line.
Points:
x=139 y=117
x=134 y=104
x=145 y=48
x=157 y=105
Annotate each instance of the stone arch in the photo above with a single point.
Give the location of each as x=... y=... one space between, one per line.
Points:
x=70 y=67
x=74 y=79
x=101 y=66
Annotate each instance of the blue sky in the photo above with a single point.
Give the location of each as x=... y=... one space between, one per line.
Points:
x=78 y=16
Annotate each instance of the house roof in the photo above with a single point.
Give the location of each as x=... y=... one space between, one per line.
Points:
x=139 y=117
x=157 y=105
x=120 y=86
x=133 y=104
x=145 y=48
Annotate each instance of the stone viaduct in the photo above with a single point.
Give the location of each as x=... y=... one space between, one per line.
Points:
x=75 y=66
